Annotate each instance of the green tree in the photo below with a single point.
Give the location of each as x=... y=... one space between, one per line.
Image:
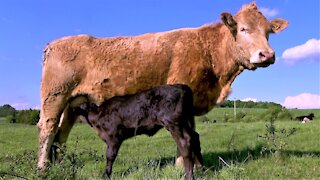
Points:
x=6 y=110
x=28 y=116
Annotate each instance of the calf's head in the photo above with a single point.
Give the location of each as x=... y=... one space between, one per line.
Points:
x=250 y=30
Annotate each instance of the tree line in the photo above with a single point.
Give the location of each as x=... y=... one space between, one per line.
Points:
x=249 y=104
x=11 y=115
x=31 y=116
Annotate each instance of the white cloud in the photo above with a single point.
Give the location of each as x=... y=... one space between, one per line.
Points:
x=23 y=106
x=303 y=101
x=269 y=12
x=20 y=106
x=306 y=51
x=38 y=107
x=249 y=99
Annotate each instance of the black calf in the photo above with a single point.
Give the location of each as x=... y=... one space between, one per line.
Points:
x=310 y=117
x=169 y=106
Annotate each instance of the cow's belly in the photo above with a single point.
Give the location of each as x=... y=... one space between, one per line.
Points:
x=101 y=89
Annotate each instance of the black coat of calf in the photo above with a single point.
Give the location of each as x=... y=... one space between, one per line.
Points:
x=310 y=117
x=169 y=106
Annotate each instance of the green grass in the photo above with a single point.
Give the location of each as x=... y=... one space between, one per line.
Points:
x=3 y=120
x=251 y=114
x=230 y=151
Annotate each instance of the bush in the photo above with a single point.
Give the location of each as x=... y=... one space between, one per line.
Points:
x=226 y=117
x=6 y=110
x=11 y=118
x=285 y=114
x=240 y=115
x=28 y=116
x=249 y=118
x=276 y=113
x=275 y=139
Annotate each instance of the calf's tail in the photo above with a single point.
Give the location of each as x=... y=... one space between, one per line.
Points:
x=189 y=109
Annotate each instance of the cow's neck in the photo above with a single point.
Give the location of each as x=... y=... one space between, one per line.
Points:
x=224 y=61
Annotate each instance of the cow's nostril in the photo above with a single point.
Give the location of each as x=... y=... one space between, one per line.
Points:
x=261 y=54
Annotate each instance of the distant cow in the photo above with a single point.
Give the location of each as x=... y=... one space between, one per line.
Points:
x=305 y=118
x=122 y=117
x=206 y=58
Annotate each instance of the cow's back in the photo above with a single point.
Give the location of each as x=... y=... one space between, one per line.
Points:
x=107 y=67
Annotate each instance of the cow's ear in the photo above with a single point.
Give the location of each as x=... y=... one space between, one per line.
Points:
x=228 y=20
x=278 y=25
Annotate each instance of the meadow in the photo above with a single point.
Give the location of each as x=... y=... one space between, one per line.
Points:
x=285 y=149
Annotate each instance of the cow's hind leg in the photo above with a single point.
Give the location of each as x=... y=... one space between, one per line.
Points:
x=51 y=110
x=183 y=140
x=66 y=123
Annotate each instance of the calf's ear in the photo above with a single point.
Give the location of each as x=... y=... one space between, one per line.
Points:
x=277 y=25
x=228 y=20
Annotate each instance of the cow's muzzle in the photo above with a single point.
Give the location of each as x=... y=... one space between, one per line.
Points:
x=263 y=58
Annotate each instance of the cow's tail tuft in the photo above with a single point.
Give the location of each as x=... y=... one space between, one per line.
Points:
x=46 y=52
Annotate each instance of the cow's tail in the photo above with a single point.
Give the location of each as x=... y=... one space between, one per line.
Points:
x=46 y=52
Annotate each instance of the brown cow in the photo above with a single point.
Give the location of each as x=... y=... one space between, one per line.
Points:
x=207 y=59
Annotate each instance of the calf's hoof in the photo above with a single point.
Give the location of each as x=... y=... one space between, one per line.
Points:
x=179 y=162
x=106 y=175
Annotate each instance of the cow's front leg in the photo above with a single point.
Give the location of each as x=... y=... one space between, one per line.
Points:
x=66 y=123
x=51 y=110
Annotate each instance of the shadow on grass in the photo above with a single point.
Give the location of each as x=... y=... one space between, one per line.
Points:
x=215 y=161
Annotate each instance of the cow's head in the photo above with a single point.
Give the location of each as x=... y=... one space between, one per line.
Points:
x=250 y=30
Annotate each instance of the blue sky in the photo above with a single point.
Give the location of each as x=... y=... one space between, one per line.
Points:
x=27 y=26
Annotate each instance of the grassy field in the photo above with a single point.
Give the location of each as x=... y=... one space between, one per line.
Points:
x=252 y=114
x=2 y=120
x=231 y=151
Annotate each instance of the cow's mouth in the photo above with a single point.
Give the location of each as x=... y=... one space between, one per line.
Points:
x=265 y=63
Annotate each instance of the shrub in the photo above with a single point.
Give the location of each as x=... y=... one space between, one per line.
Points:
x=249 y=118
x=240 y=115
x=226 y=117
x=28 y=116
x=285 y=114
x=6 y=110
x=275 y=139
x=11 y=119
x=276 y=113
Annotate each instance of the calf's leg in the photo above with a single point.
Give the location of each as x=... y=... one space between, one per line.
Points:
x=196 y=149
x=112 y=151
x=183 y=140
